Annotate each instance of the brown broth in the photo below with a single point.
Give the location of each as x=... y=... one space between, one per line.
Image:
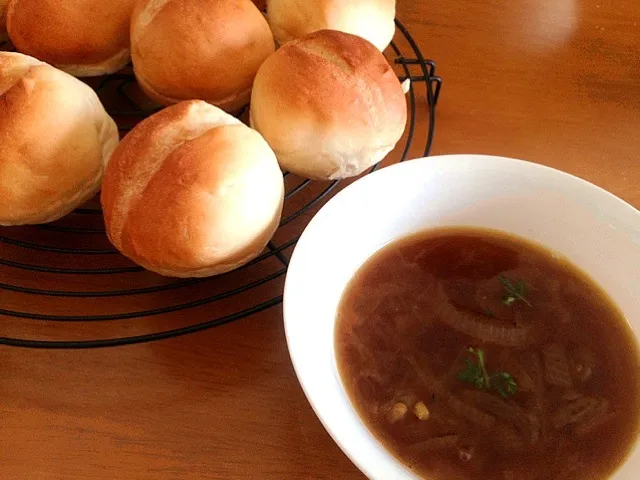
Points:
x=404 y=325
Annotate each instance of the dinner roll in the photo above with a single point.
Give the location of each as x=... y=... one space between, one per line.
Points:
x=199 y=49
x=192 y=192
x=82 y=37
x=55 y=140
x=329 y=105
x=370 y=19
x=3 y=20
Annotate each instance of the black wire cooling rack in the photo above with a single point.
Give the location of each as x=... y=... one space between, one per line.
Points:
x=62 y=285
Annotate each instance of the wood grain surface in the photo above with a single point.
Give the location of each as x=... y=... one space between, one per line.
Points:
x=553 y=81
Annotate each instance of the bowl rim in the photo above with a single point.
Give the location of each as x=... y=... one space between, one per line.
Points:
x=593 y=190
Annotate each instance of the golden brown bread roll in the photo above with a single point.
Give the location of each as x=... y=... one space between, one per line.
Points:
x=192 y=192
x=3 y=20
x=55 y=140
x=369 y=19
x=82 y=37
x=199 y=49
x=329 y=105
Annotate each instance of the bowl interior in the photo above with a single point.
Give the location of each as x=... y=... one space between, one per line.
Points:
x=593 y=229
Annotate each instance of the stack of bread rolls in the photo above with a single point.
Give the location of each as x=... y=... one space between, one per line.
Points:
x=191 y=191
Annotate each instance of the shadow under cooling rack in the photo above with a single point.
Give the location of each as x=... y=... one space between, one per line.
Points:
x=63 y=285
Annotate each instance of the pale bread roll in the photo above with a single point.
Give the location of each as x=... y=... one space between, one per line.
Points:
x=82 y=37
x=55 y=141
x=192 y=192
x=199 y=49
x=3 y=20
x=369 y=19
x=329 y=105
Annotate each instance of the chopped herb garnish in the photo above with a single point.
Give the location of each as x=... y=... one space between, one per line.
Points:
x=514 y=291
x=504 y=384
x=476 y=374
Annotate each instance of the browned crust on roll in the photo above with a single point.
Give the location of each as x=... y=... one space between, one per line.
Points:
x=195 y=49
x=230 y=104
x=329 y=105
x=55 y=141
x=372 y=20
x=192 y=192
x=81 y=37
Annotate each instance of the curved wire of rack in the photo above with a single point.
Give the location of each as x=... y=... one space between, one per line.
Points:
x=127 y=114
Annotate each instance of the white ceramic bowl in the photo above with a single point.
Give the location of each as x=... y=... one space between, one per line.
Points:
x=592 y=228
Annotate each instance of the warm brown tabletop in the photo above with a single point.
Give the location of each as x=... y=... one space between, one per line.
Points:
x=553 y=81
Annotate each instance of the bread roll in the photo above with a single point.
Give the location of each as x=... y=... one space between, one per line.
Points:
x=329 y=105
x=82 y=37
x=192 y=192
x=55 y=140
x=199 y=49
x=3 y=20
x=369 y=19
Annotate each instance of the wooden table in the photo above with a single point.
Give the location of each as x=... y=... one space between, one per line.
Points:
x=553 y=81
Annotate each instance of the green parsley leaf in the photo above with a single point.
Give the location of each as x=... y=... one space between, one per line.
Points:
x=514 y=291
x=475 y=373
x=504 y=384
